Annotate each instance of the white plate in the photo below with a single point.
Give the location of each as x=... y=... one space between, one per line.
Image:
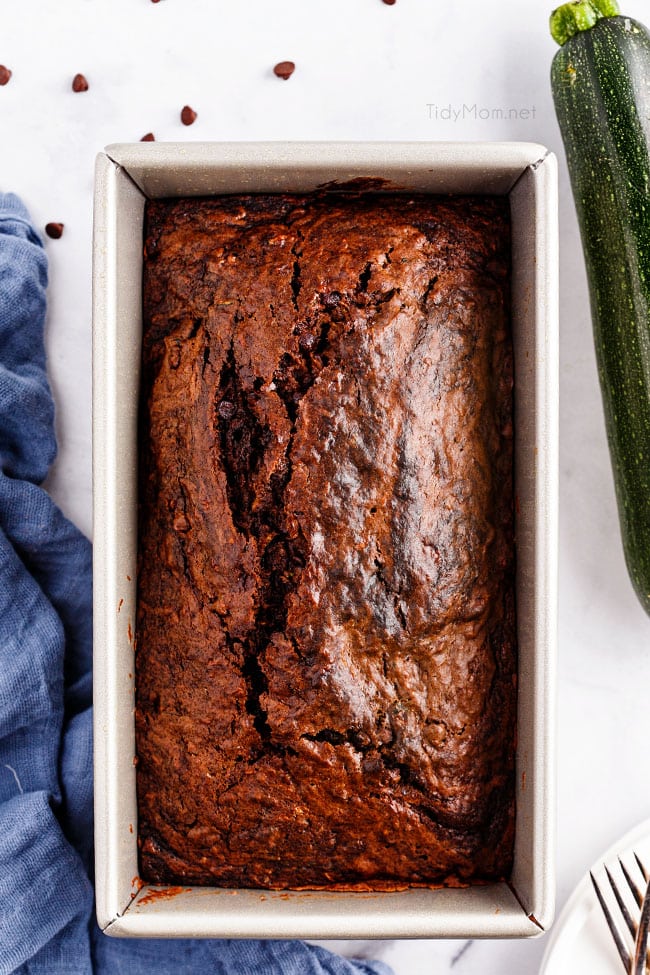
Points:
x=580 y=940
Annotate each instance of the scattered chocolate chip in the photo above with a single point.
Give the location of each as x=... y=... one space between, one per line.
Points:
x=188 y=115
x=54 y=230
x=284 y=69
x=5 y=74
x=79 y=83
x=155 y=1
x=389 y=3
x=149 y=137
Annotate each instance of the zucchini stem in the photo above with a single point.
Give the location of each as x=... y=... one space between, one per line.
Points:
x=606 y=8
x=572 y=18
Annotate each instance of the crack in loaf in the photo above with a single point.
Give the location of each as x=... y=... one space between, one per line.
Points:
x=326 y=659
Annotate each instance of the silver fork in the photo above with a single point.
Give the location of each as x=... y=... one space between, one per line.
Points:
x=634 y=962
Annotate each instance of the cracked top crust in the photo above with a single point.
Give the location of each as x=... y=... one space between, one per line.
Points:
x=326 y=659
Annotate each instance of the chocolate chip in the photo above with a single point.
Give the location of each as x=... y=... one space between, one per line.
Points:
x=54 y=230
x=149 y=137
x=389 y=3
x=332 y=299
x=5 y=74
x=359 y=739
x=226 y=409
x=188 y=115
x=284 y=69
x=79 y=83
x=181 y=524
x=307 y=341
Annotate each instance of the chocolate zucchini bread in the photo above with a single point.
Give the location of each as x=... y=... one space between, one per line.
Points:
x=326 y=654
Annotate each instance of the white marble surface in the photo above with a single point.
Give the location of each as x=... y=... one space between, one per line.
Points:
x=365 y=70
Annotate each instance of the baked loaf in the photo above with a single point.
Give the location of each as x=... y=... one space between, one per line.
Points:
x=326 y=658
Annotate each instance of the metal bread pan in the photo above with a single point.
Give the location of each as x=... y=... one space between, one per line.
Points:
x=126 y=176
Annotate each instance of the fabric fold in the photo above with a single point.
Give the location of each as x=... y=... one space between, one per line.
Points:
x=43 y=884
x=27 y=440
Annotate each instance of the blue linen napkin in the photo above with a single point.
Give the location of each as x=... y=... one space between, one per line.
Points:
x=47 y=920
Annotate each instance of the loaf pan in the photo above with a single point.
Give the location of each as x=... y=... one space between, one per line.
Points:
x=126 y=176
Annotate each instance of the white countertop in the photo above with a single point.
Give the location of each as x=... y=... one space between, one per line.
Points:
x=364 y=70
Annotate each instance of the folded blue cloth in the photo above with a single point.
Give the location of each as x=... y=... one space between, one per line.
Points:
x=46 y=816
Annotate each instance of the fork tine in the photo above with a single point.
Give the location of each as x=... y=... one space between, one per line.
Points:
x=646 y=877
x=631 y=925
x=643 y=870
x=618 y=941
x=641 y=946
x=638 y=896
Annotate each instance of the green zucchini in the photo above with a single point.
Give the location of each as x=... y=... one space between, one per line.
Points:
x=601 y=87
